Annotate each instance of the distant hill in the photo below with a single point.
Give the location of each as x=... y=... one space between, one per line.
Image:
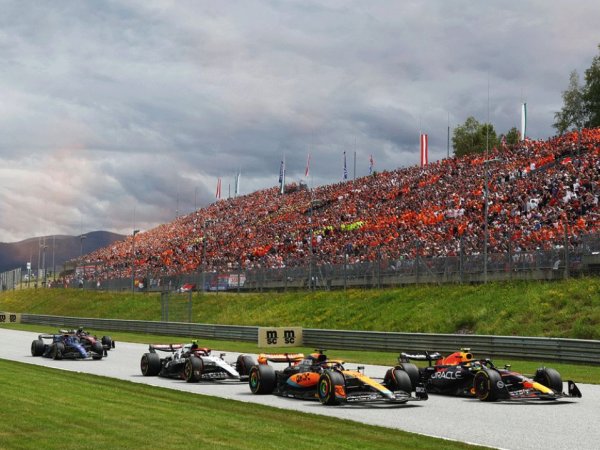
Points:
x=17 y=254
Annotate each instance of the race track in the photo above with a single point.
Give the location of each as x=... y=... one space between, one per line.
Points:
x=566 y=424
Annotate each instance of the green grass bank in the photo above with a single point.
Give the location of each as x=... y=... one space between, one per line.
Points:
x=568 y=309
x=103 y=413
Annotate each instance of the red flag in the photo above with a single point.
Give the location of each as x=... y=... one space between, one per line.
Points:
x=218 y=193
x=307 y=170
x=424 y=150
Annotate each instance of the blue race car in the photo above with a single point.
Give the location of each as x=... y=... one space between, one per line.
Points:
x=65 y=346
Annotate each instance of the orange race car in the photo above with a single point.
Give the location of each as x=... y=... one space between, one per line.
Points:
x=317 y=377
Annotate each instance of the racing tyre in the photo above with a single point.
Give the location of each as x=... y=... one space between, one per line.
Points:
x=330 y=382
x=150 y=364
x=488 y=385
x=243 y=365
x=98 y=350
x=262 y=379
x=56 y=350
x=37 y=347
x=193 y=368
x=107 y=342
x=398 y=380
x=549 y=378
x=413 y=374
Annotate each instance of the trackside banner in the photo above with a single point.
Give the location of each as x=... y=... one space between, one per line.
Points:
x=6 y=317
x=279 y=336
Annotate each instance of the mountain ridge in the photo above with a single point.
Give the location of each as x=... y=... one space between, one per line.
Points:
x=59 y=248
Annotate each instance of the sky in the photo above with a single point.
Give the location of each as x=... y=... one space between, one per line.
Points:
x=121 y=115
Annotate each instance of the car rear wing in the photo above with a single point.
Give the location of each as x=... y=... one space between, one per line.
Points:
x=289 y=358
x=425 y=356
x=164 y=347
x=46 y=336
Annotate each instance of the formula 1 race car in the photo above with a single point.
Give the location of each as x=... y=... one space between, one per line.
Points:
x=461 y=374
x=88 y=340
x=317 y=377
x=193 y=363
x=66 y=346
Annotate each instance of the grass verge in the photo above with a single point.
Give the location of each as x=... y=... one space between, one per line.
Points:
x=567 y=308
x=53 y=409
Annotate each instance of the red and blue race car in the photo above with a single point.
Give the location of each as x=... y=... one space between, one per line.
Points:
x=461 y=374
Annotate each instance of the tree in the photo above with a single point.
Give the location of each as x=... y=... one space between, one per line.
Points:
x=591 y=93
x=573 y=114
x=512 y=136
x=473 y=137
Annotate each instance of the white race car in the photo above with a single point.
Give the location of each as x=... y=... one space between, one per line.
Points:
x=193 y=363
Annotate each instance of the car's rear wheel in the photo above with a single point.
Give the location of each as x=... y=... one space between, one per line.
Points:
x=488 y=385
x=192 y=371
x=37 y=347
x=413 y=374
x=549 y=378
x=398 y=380
x=150 y=364
x=262 y=379
x=56 y=350
x=330 y=382
x=243 y=365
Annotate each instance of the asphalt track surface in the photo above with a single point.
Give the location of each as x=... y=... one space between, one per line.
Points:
x=564 y=424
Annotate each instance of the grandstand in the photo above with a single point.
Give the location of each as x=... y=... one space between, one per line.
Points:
x=542 y=195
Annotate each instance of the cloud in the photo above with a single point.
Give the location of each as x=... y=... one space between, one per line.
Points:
x=115 y=107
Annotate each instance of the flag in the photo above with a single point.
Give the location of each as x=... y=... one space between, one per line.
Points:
x=218 y=193
x=307 y=170
x=424 y=150
x=345 y=168
x=371 y=163
x=523 y=121
x=282 y=176
x=236 y=191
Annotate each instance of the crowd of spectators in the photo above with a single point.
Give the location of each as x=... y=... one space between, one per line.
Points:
x=539 y=194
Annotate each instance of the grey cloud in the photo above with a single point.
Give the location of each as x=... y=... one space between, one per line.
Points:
x=115 y=106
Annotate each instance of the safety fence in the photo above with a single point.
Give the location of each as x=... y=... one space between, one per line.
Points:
x=10 y=279
x=532 y=348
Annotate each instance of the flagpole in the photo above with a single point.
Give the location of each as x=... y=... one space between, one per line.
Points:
x=448 y=143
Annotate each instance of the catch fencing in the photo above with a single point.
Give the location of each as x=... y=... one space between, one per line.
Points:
x=532 y=348
x=10 y=279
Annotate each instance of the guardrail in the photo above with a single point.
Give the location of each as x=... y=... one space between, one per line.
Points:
x=533 y=348
x=220 y=332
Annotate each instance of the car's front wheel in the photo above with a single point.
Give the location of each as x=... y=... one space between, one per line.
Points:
x=262 y=379
x=549 y=378
x=107 y=342
x=488 y=385
x=192 y=371
x=56 y=350
x=98 y=350
x=331 y=387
